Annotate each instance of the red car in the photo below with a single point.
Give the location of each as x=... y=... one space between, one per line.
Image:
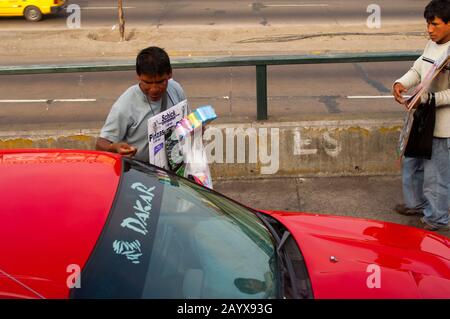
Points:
x=86 y=224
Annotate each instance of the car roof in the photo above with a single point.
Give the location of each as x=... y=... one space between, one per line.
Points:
x=53 y=206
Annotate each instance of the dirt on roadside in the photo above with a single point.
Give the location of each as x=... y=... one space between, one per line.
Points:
x=65 y=46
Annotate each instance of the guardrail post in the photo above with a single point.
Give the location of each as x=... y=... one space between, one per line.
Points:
x=261 y=92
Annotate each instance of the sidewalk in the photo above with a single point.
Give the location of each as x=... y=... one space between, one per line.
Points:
x=102 y=44
x=370 y=197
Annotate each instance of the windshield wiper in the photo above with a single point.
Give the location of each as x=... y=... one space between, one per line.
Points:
x=288 y=264
x=285 y=261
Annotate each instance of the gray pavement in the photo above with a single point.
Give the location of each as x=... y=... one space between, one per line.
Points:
x=101 y=13
x=370 y=197
x=295 y=92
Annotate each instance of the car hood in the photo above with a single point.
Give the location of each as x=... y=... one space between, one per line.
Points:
x=54 y=204
x=359 y=258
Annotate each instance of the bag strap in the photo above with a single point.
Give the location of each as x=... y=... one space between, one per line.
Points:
x=164 y=102
x=166 y=95
x=432 y=99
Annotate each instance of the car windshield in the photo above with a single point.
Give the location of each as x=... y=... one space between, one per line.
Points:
x=167 y=237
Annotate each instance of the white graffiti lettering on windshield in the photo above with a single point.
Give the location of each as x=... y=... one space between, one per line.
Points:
x=131 y=250
x=143 y=206
x=137 y=223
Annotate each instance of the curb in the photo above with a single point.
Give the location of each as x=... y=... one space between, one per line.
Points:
x=268 y=149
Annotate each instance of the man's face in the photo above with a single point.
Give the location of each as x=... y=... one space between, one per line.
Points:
x=154 y=86
x=438 y=30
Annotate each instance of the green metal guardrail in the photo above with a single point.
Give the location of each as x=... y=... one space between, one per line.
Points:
x=260 y=62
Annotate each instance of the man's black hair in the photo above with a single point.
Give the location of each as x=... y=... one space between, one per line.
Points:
x=153 y=61
x=437 y=9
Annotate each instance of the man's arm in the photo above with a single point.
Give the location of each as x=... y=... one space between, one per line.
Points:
x=443 y=97
x=114 y=129
x=407 y=81
x=122 y=148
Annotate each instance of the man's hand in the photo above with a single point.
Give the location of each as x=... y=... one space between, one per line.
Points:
x=123 y=149
x=398 y=91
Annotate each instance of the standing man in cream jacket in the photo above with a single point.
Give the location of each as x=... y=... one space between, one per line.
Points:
x=426 y=182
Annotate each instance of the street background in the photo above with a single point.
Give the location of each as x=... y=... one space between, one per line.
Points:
x=204 y=28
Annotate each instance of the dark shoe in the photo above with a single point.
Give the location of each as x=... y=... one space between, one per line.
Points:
x=427 y=226
x=403 y=210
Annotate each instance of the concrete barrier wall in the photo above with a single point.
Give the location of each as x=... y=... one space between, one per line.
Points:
x=271 y=149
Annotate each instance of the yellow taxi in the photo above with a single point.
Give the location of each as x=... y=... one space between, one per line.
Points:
x=32 y=10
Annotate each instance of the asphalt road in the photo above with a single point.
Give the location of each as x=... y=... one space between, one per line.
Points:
x=296 y=91
x=101 y=13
